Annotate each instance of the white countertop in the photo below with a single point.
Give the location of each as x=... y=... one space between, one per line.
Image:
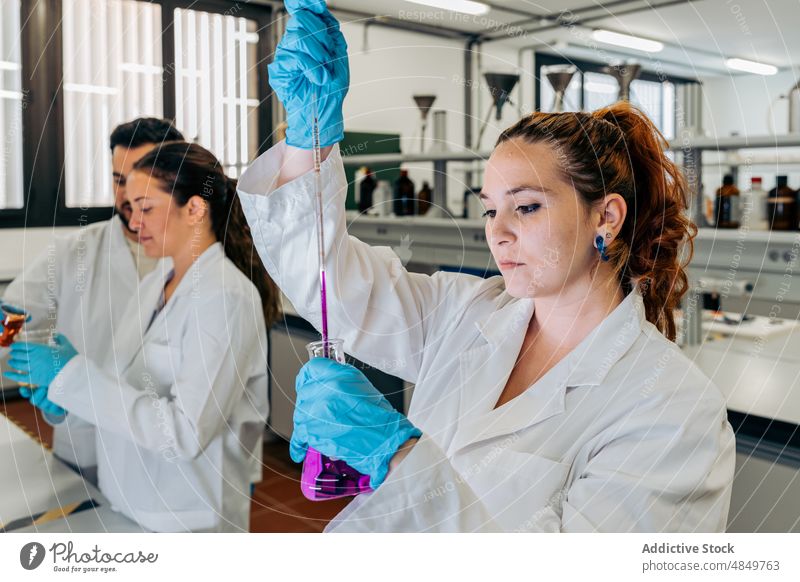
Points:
x=757 y=376
x=33 y=481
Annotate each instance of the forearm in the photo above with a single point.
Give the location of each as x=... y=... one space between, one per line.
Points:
x=297 y=162
x=402 y=453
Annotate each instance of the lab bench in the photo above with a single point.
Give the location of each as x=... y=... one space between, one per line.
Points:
x=36 y=488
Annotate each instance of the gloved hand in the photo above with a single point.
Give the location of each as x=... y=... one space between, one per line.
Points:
x=38 y=364
x=341 y=414
x=311 y=60
x=39 y=399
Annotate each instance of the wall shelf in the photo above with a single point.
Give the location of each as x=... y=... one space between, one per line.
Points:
x=691 y=148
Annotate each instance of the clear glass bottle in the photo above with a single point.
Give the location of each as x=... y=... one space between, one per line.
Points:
x=13 y=321
x=45 y=337
x=753 y=206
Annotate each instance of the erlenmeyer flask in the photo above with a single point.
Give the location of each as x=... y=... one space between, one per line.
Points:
x=323 y=477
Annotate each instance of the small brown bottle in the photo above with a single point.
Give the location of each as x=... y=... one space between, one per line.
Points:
x=782 y=206
x=424 y=197
x=726 y=209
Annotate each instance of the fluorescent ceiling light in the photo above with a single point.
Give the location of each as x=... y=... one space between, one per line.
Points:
x=751 y=67
x=465 y=6
x=628 y=41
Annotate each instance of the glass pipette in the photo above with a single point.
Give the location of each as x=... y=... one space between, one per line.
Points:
x=323 y=295
x=323 y=477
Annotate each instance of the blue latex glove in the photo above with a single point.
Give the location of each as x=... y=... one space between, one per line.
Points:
x=39 y=364
x=342 y=415
x=39 y=399
x=311 y=60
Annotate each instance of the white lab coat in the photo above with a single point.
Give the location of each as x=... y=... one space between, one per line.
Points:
x=80 y=285
x=624 y=434
x=182 y=408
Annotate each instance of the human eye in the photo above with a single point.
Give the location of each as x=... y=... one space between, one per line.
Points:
x=489 y=214
x=528 y=208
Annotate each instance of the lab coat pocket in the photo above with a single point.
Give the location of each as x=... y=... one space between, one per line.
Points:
x=523 y=492
x=163 y=362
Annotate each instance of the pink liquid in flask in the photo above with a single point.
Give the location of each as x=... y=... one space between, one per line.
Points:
x=322 y=477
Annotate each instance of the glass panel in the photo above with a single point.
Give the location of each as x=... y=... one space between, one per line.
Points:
x=112 y=74
x=11 y=105
x=657 y=100
x=599 y=91
x=216 y=98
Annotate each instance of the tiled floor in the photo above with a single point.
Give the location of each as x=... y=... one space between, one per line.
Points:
x=278 y=505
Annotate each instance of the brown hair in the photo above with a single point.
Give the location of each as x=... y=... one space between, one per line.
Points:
x=618 y=149
x=187 y=170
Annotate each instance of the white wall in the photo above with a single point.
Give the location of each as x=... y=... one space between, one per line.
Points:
x=19 y=246
x=747 y=105
x=741 y=103
x=393 y=65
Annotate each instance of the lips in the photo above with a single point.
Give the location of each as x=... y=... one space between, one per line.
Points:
x=509 y=264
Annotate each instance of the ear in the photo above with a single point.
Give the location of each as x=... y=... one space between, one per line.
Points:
x=197 y=209
x=610 y=215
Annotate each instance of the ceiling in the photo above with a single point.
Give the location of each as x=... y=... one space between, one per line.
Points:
x=698 y=34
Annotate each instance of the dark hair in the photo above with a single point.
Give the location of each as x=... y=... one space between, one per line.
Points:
x=618 y=149
x=142 y=131
x=187 y=169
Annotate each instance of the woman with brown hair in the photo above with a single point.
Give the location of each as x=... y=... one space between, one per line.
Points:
x=550 y=398
x=181 y=405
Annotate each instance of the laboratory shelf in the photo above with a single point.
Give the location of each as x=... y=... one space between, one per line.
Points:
x=691 y=148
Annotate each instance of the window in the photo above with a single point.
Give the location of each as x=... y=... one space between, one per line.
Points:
x=112 y=73
x=216 y=87
x=592 y=89
x=11 y=105
x=656 y=99
x=78 y=68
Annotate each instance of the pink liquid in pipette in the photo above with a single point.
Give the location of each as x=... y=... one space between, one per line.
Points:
x=323 y=296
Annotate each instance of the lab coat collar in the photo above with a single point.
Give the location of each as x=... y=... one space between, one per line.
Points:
x=150 y=294
x=486 y=368
x=212 y=254
x=591 y=360
x=505 y=328
x=191 y=279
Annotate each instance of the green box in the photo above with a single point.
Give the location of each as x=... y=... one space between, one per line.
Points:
x=357 y=143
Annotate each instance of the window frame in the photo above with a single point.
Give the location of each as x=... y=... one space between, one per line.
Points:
x=44 y=198
x=547 y=60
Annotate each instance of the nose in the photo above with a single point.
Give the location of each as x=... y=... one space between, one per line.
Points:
x=136 y=219
x=501 y=231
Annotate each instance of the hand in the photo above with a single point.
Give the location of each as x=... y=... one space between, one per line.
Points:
x=39 y=364
x=39 y=399
x=311 y=62
x=341 y=414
